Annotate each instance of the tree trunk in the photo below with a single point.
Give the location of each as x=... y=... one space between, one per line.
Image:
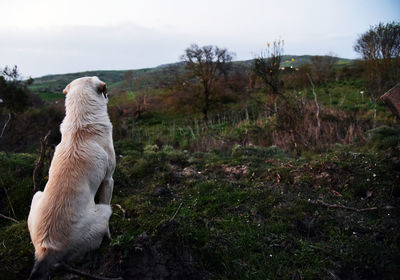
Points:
x=206 y=104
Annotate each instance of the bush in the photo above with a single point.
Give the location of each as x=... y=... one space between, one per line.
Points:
x=127 y=146
x=25 y=129
x=172 y=155
x=259 y=152
x=16 y=184
x=384 y=137
x=140 y=169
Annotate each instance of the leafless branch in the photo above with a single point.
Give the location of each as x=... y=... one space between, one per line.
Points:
x=39 y=165
x=9 y=218
x=320 y=202
x=315 y=100
x=5 y=125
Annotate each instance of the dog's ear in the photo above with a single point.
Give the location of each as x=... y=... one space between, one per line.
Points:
x=65 y=91
x=102 y=88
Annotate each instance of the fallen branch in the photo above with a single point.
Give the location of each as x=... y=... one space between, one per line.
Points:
x=39 y=165
x=320 y=202
x=85 y=274
x=176 y=212
x=9 y=218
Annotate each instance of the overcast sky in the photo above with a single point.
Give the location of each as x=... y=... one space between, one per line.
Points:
x=50 y=37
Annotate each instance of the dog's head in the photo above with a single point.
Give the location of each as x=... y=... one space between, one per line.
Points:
x=93 y=83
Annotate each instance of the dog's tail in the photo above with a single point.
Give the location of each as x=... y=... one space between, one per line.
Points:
x=42 y=267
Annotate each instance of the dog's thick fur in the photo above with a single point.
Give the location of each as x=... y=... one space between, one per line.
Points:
x=64 y=221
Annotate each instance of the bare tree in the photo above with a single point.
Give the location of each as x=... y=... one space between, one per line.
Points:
x=321 y=66
x=127 y=80
x=144 y=101
x=207 y=64
x=380 y=50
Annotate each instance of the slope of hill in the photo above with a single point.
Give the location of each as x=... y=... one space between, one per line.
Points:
x=256 y=192
x=56 y=83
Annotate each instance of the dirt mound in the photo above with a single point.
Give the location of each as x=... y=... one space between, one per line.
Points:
x=162 y=259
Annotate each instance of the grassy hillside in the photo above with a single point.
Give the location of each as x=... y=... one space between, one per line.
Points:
x=56 y=83
x=240 y=213
x=214 y=201
x=264 y=189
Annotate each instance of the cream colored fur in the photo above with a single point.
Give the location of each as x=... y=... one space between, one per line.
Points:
x=64 y=221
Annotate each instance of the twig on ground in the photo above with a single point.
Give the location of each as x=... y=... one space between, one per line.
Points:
x=331 y=274
x=122 y=210
x=9 y=202
x=85 y=274
x=176 y=212
x=320 y=202
x=39 y=165
x=9 y=218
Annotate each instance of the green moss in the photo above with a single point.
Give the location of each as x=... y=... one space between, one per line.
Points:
x=16 y=183
x=16 y=251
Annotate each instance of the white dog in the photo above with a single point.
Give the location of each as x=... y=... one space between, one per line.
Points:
x=64 y=222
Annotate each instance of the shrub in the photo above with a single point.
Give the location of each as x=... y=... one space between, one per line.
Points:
x=16 y=184
x=126 y=146
x=259 y=152
x=384 y=137
x=172 y=155
x=140 y=169
x=150 y=149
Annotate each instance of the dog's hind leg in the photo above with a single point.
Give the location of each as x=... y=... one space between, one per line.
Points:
x=105 y=194
x=89 y=232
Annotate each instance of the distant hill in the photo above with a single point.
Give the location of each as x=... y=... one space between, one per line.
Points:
x=53 y=84
x=56 y=83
